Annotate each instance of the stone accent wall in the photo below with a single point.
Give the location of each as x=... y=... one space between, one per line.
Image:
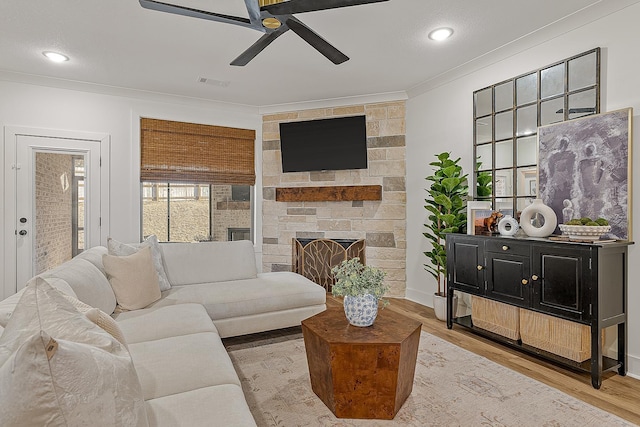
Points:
x=381 y=223
x=53 y=210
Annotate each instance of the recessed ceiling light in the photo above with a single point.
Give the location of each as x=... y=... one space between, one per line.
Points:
x=440 y=34
x=55 y=56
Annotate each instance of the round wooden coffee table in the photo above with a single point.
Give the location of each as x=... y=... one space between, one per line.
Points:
x=361 y=372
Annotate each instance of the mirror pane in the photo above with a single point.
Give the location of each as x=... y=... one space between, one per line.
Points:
x=504 y=96
x=483 y=156
x=484 y=185
x=527 y=150
x=504 y=154
x=552 y=81
x=505 y=205
x=582 y=103
x=527 y=120
x=503 y=183
x=504 y=125
x=527 y=181
x=582 y=72
x=551 y=111
x=483 y=102
x=526 y=89
x=483 y=130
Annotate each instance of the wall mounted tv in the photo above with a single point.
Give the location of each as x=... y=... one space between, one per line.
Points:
x=326 y=144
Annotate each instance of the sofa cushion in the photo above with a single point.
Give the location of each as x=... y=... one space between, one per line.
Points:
x=58 y=368
x=120 y=249
x=133 y=279
x=9 y=304
x=206 y=262
x=178 y=364
x=94 y=256
x=269 y=292
x=87 y=281
x=222 y=405
x=164 y=322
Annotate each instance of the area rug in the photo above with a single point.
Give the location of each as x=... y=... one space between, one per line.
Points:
x=452 y=387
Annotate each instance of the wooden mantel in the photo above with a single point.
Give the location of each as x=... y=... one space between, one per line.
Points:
x=330 y=194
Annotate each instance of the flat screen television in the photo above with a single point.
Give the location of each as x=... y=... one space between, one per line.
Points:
x=326 y=144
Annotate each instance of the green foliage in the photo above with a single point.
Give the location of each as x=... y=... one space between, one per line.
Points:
x=447 y=206
x=353 y=279
x=483 y=182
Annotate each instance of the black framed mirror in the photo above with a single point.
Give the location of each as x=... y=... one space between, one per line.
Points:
x=506 y=117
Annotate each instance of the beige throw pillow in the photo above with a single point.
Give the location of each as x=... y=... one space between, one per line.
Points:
x=119 y=249
x=59 y=369
x=133 y=279
x=98 y=317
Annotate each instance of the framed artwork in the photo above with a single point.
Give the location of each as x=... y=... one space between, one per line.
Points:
x=585 y=169
x=532 y=187
x=477 y=211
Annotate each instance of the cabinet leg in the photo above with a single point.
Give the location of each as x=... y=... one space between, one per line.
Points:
x=449 y=308
x=622 y=349
x=596 y=382
x=596 y=355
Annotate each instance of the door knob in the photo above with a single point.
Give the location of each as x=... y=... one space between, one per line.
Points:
x=22 y=232
x=505 y=248
x=534 y=277
x=479 y=268
x=525 y=281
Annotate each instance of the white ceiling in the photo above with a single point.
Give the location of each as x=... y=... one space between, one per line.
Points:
x=118 y=44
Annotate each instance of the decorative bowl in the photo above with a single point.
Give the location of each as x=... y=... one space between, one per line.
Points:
x=584 y=232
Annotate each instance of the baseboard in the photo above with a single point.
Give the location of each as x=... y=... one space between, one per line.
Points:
x=420 y=297
x=633 y=370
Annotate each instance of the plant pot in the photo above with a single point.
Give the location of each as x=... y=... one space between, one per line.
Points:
x=361 y=310
x=440 y=306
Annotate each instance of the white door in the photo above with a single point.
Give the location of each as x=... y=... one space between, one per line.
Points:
x=57 y=209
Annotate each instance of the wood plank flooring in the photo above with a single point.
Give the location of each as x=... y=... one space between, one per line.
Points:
x=618 y=395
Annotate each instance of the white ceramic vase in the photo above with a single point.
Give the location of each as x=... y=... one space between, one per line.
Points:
x=361 y=310
x=538 y=208
x=508 y=226
x=440 y=306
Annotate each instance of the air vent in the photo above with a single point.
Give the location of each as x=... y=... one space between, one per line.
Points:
x=214 y=82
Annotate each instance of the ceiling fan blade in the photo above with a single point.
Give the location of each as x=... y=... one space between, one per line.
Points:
x=258 y=47
x=195 y=13
x=301 y=6
x=320 y=44
x=253 y=8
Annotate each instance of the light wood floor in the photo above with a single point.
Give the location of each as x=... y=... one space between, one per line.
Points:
x=618 y=395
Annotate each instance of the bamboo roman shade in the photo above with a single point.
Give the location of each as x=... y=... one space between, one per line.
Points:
x=187 y=152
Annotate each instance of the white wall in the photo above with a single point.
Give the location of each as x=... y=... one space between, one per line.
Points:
x=118 y=116
x=441 y=119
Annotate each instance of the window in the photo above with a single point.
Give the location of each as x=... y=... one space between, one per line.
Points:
x=180 y=212
x=196 y=181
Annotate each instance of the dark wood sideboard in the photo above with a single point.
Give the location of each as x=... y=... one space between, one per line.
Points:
x=579 y=282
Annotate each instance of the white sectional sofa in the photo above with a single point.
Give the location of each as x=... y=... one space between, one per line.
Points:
x=186 y=377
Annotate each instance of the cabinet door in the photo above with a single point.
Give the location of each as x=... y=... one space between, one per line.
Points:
x=563 y=281
x=508 y=278
x=465 y=264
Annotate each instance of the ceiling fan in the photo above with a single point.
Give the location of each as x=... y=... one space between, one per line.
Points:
x=272 y=17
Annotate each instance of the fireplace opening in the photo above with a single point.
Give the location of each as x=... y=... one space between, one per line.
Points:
x=314 y=258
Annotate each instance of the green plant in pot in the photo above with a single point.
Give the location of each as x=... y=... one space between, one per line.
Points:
x=362 y=286
x=446 y=204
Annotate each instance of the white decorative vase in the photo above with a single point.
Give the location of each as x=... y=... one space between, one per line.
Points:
x=508 y=226
x=538 y=208
x=440 y=306
x=361 y=310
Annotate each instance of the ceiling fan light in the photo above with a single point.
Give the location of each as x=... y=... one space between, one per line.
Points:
x=440 y=34
x=55 y=56
x=272 y=23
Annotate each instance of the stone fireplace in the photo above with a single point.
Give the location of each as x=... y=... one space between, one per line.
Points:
x=379 y=220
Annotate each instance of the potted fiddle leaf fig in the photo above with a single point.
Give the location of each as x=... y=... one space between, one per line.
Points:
x=446 y=204
x=362 y=287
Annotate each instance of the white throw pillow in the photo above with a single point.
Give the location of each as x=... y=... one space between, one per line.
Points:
x=99 y=317
x=133 y=279
x=59 y=369
x=119 y=249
